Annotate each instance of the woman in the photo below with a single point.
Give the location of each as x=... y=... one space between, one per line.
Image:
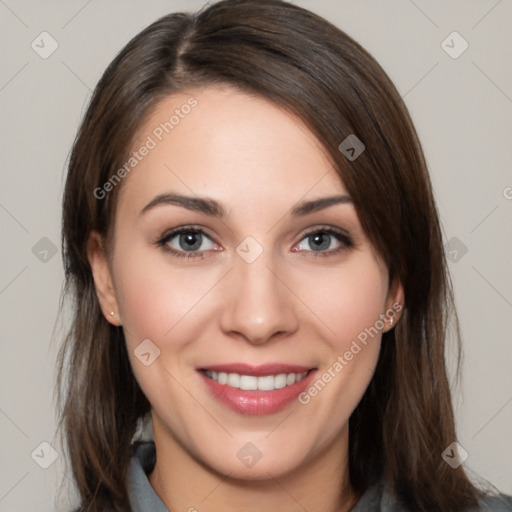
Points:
x=255 y=260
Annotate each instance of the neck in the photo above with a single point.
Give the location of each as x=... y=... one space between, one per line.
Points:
x=183 y=482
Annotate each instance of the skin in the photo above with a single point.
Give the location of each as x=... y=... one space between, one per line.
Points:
x=291 y=305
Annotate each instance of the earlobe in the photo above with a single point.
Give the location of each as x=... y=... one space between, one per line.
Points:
x=394 y=304
x=102 y=277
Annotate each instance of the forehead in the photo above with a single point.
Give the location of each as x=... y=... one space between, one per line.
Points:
x=229 y=145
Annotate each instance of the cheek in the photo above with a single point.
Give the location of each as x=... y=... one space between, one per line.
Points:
x=348 y=298
x=159 y=302
x=153 y=296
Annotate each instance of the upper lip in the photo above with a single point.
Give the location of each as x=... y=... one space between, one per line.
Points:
x=257 y=370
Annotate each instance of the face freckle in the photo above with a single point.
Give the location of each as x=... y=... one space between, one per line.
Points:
x=259 y=285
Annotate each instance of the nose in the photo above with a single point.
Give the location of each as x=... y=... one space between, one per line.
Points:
x=259 y=306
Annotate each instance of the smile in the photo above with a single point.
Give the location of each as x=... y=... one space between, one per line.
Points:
x=253 y=383
x=256 y=390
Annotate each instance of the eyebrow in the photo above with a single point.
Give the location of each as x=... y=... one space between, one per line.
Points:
x=215 y=209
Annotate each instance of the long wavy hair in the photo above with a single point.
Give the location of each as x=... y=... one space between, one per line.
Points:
x=304 y=64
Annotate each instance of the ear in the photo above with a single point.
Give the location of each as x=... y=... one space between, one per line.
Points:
x=103 y=283
x=394 y=304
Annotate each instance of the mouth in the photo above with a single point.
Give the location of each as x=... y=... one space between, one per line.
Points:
x=253 y=383
x=256 y=390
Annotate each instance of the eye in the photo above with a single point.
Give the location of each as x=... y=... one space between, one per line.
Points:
x=187 y=242
x=191 y=242
x=324 y=242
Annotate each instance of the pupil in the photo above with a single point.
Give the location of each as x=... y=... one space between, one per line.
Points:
x=320 y=241
x=190 y=241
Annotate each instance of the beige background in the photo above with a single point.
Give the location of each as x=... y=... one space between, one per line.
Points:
x=462 y=109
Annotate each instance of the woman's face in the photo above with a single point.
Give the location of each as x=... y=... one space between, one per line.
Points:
x=230 y=257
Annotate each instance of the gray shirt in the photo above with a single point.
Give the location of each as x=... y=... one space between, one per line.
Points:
x=376 y=499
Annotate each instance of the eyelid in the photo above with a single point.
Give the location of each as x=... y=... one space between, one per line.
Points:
x=171 y=233
x=326 y=228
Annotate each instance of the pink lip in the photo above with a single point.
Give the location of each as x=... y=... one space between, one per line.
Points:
x=257 y=403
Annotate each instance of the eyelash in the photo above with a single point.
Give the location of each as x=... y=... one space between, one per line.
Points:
x=344 y=240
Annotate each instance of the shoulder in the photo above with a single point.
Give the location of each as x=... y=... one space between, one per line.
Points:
x=379 y=498
x=498 y=503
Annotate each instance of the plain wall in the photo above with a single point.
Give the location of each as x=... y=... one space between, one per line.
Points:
x=462 y=108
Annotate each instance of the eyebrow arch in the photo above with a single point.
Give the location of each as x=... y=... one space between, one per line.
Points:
x=319 y=204
x=206 y=206
x=215 y=209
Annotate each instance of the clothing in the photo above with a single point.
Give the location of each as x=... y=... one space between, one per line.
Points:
x=144 y=499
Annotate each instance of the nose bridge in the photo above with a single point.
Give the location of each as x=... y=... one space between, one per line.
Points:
x=259 y=304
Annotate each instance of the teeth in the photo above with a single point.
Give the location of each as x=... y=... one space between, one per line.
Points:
x=248 y=382
x=252 y=383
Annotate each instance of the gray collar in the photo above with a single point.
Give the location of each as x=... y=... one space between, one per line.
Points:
x=142 y=496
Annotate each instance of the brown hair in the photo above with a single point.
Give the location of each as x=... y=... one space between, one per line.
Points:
x=306 y=65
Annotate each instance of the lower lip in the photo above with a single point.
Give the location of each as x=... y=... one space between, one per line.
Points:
x=256 y=403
